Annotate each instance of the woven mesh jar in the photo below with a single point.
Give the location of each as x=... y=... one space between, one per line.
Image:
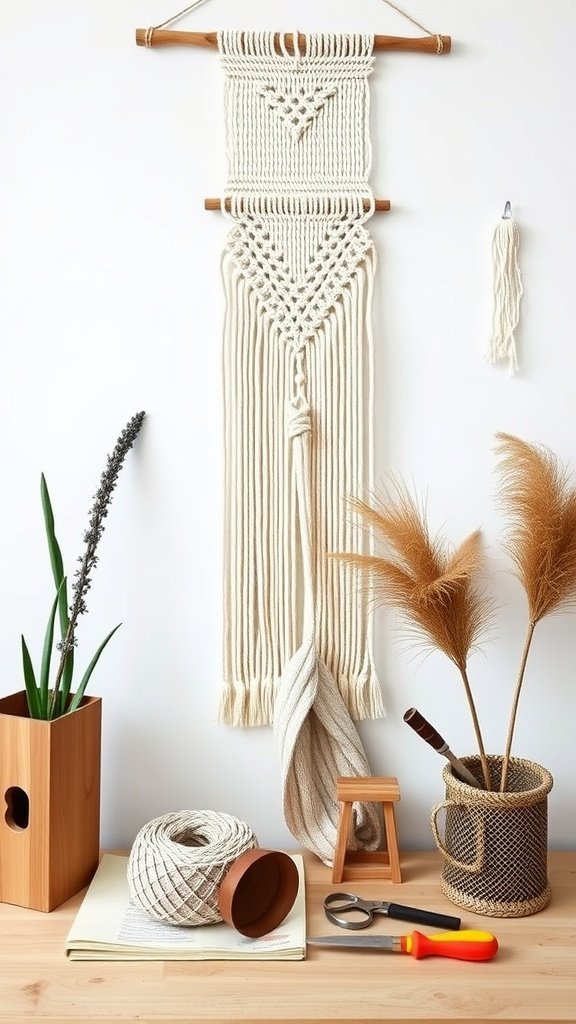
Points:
x=496 y=844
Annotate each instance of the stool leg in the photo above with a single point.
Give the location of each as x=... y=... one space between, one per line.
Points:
x=341 y=843
x=392 y=841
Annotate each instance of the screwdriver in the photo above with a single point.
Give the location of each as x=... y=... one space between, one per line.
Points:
x=464 y=945
x=417 y=722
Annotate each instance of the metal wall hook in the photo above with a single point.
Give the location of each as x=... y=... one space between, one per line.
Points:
x=507 y=210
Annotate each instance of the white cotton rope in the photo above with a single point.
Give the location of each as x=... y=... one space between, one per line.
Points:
x=298 y=273
x=507 y=293
x=178 y=861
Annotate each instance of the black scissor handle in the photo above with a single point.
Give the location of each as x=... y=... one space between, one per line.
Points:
x=425 y=917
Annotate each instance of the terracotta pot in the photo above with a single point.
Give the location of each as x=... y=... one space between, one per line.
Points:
x=258 y=891
x=50 y=803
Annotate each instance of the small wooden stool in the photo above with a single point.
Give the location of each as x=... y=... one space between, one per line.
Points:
x=360 y=864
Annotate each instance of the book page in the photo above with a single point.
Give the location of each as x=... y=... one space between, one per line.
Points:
x=108 y=921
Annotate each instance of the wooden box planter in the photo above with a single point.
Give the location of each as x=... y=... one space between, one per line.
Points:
x=50 y=803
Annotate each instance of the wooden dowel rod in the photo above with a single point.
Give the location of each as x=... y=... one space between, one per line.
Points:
x=169 y=37
x=380 y=205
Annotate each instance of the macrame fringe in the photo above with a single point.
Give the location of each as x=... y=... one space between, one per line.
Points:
x=507 y=293
x=252 y=704
x=263 y=588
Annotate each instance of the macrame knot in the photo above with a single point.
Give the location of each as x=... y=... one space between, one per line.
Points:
x=299 y=421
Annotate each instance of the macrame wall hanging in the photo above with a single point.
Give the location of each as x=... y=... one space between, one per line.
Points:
x=298 y=272
x=507 y=291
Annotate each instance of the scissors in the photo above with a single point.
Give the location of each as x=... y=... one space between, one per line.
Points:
x=343 y=908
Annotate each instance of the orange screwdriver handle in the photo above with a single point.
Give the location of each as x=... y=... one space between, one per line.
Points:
x=464 y=945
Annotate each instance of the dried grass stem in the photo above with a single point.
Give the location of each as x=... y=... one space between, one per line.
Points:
x=476 y=724
x=514 y=709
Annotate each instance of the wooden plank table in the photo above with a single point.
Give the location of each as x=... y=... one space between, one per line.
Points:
x=532 y=979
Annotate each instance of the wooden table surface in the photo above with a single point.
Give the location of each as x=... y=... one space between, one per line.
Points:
x=533 y=977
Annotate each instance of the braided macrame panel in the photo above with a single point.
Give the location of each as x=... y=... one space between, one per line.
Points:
x=297 y=125
x=298 y=272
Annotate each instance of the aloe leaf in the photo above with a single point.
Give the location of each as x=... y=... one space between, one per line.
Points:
x=86 y=677
x=32 y=693
x=55 y=555
x=47 y=655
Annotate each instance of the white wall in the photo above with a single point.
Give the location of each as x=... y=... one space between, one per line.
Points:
x=111 y=302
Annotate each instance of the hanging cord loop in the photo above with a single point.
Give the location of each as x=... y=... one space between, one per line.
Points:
x=175 y=17
x=169 y=21
x=438 y=38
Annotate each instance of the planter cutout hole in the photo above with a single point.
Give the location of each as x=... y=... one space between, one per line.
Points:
x=17 y=808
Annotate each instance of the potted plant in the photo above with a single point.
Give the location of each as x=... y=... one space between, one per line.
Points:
x=495 y=842
x=50 y=734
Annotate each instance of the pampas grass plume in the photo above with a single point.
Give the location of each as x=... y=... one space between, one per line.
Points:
x=539 y=503
x=433 y=586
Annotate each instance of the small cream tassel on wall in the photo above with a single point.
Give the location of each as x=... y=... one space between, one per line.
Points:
x=507 y=291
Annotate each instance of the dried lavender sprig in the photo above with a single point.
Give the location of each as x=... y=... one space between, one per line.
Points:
x=92 y=536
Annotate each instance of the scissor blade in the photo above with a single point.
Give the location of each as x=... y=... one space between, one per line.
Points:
x=355 y=941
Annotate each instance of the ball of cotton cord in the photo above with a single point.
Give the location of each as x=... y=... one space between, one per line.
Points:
x=178 y=861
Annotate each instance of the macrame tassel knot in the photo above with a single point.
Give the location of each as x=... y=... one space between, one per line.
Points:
x=507 y=290
x=299 y=418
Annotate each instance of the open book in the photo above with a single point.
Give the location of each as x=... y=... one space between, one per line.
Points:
x=109 y=926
